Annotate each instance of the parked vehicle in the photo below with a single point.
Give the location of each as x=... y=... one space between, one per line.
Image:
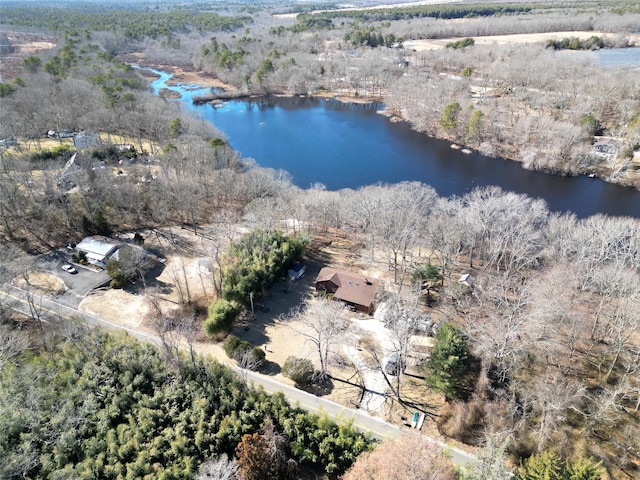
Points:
x=394 y=365
x=69 y=268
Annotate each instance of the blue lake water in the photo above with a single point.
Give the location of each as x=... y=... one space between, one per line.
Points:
x=619 y=57
x=349 y=146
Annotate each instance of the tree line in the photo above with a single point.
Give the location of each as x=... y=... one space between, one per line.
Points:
x=432 y=11
x=130 y=21
x=92 y=404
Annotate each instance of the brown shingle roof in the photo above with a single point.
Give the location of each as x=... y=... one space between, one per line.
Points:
x=352 y=288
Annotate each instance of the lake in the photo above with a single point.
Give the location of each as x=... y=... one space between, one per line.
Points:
x=618 y=57
x=350 y=145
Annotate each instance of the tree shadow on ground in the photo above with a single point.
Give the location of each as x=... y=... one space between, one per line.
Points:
x=173 y=242
x=270 y=368
x=150 y=281
x=251 y=330
x=317 y=253
x=281 y=297
x=319 y=389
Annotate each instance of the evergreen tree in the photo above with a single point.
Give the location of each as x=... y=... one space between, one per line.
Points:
x=300 y=370
x=544 y=466
x=222 y=313
x=175 y=127
x=583 y=469
x=472 y=129
x=449 y=363
x=449 y=118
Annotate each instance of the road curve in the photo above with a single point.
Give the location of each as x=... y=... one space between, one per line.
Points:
x=364 y=422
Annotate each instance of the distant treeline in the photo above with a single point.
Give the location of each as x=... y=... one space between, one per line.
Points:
x=436 y=11
x=323 y=20
x=132 y=24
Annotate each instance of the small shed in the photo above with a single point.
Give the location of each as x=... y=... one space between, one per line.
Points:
x=86 y=139
x=466 y=280
x=606 y=146
x=297 y=271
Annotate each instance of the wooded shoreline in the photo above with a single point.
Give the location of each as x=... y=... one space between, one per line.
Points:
x=229 y=92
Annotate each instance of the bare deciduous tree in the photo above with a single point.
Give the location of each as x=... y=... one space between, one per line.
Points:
x=403 y=321
x=223 y=468
x=176 y=330
x=553 y=397
x=491 y=459
x=12 y=343
x=499 y=321
x=408 y=456
x=323 y=326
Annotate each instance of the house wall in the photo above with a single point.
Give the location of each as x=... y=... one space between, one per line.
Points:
x=327 y=286
x=355 y=307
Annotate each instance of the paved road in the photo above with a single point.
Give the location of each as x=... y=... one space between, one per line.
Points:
x=18 y=300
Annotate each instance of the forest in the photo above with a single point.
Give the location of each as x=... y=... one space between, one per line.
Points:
x=550 y=328
x=83 y=404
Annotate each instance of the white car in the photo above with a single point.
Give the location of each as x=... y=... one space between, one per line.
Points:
x=69 y=268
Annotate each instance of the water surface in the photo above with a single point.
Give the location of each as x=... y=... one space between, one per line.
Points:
x=349 y=146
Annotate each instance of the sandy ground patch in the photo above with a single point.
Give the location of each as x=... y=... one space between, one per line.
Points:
x=42 y=281
x=435 y=44
x=349 y=98
x=118 y=306
x=187 y=278
x=202 y=79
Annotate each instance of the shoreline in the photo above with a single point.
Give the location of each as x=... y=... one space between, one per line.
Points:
x=205 y=80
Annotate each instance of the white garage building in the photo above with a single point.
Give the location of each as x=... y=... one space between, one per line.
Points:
x=97 y=249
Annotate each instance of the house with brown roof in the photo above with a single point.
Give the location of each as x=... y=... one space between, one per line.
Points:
x=357 y=291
